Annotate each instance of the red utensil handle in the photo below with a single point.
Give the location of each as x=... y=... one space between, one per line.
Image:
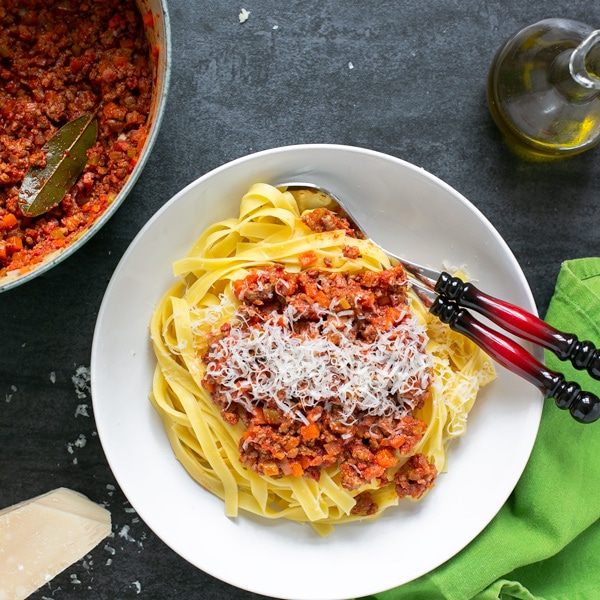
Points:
x=582 y=354
x=583 y=406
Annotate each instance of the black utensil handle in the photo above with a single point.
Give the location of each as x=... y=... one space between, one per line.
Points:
x=583 y=355
x=583 y=406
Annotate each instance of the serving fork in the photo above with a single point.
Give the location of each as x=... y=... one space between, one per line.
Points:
x=449 y=298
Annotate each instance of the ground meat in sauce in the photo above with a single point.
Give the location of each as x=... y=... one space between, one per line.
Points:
x=365 y=505
x=371 y=448
x=59 y=60
x=323 y=219
x=415 y=477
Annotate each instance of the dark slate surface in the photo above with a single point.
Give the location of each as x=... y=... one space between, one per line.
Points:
x=406 y=78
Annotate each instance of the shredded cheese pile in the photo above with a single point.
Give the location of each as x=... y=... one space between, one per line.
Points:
x=323 y=365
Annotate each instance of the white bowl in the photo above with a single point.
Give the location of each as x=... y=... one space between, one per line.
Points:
x=416 y=215
x=159 y=35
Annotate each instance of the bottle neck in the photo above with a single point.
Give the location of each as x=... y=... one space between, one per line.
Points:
x=576 y=72
x=584 y=63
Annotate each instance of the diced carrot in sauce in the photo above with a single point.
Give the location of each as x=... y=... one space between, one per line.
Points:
x=313 y=292
x=311 y=289
x=305 y=462
x=386 y=458
x=14 y=244
x=270 y=469
x=322 y=300
x=209 y=386
x=8 y=221
x=308 y=258
x=392 y=317
x=296 y=468
x=310 y=431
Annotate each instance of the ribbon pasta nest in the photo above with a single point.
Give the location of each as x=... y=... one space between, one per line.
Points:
x=297 y=375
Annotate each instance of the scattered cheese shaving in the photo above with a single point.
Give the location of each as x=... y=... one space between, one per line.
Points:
x=82 y=410
x=81 y=381
x=243 y=16
x=298 y=371
x=124 y=533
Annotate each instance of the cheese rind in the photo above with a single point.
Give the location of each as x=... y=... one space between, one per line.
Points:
x=42 y=536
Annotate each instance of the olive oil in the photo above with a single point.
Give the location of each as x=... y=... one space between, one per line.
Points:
x=544 y=89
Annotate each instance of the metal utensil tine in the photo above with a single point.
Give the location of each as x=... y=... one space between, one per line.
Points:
x=423 y=291
x=424 y=275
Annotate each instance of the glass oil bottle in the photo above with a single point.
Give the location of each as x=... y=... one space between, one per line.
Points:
x=544 y=89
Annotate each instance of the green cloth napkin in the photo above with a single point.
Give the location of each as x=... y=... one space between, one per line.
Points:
x=544 y=544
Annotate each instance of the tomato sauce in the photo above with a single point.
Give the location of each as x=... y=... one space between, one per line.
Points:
x=368 y=447
x=59 y=60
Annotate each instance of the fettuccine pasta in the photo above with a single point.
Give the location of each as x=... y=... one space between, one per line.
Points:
x=202 y=327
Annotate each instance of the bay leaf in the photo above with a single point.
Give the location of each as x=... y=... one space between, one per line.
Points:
x=44 y=187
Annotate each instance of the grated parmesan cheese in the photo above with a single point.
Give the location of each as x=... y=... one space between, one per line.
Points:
x=383 y=378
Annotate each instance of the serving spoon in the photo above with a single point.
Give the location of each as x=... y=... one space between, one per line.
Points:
x=448 y=297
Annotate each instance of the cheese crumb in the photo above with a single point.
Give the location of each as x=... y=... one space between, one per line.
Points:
x=124 y=533
x=81 y=381
x=82 y=410
x=243 y=16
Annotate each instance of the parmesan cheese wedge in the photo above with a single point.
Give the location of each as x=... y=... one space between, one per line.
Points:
x=42 y=536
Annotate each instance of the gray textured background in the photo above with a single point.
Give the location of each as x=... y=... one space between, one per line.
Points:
x=416 y=91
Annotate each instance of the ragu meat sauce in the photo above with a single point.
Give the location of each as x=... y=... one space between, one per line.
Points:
x=58 y=61
x=325 y=368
